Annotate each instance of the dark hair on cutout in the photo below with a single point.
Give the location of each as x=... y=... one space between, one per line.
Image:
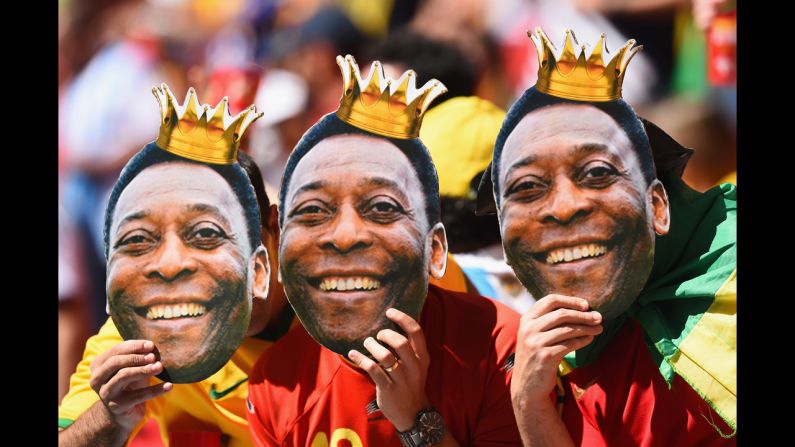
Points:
x=152 y=155
x=250 y=166
x=330 y=125
x=619 y=110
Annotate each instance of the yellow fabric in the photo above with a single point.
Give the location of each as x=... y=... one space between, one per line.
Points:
x=187 y=407
x=460 y=134
x=453 y=279
x=564 y=368
x=707 y=358
x=728 y=178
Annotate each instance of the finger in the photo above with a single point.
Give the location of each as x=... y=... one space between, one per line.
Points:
x=553 y=301
x=372 y=369
x=567 y=332
x=401 y=346
x=563 y=316
x=138 y=384
x=413 y=331
x=567 y=346
x=105 y=371
x=380 y=353
x=142 y=395
x=126 y=347
x=118 y=385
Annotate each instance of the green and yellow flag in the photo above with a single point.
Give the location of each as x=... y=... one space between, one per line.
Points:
x=688 y=307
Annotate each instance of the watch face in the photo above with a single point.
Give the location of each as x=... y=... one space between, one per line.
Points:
x=431 y=425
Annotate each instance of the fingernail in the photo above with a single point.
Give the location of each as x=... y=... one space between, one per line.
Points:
x=155 y=366
x=596 y=315
x=148 y=358
x=390 y=312
x=148 y=345
x=168 y=386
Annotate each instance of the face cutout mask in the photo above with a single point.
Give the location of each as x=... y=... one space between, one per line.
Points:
x=180 y=268
x=355 y=240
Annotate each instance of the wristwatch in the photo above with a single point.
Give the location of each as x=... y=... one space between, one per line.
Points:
x=428 y=429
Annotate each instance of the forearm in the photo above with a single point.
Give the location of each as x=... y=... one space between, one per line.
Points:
x=540 y=425
x=94 y=428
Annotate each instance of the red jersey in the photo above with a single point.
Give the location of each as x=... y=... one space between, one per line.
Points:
x=622 y=399
x=302 y=394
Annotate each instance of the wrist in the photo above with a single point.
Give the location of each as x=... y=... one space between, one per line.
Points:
x=405 y=421
x=428 y=429
x=110 y=430
x=523 y=403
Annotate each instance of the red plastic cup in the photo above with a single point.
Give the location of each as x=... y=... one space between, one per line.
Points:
x=722 y=50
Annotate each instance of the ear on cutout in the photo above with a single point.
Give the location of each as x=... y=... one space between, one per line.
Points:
x=438 y=263
x=661 y=213
x=262 y=273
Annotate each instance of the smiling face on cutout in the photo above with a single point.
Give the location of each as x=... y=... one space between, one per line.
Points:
x=181 y=271
x=576 y=215
x=355 y=240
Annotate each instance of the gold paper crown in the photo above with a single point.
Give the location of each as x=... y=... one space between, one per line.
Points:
x=198 y=132
x=578 y=78
x=382 y=106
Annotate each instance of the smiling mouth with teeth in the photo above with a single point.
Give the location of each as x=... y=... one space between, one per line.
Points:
x=171 y=311
x=349 y=284
x=574 y=253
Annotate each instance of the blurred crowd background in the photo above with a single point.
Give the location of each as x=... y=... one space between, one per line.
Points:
x=280 y=55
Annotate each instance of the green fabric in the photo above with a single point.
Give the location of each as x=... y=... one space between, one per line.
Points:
x=590 y=353
x=691 y=263
x=63 y=422
x=215 y=395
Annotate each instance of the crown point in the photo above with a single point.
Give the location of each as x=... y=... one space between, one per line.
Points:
x=374 y=85
x=567 y=61
x=625 y=61
x=544 y=48
x=596 y=65
x=581 y=61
